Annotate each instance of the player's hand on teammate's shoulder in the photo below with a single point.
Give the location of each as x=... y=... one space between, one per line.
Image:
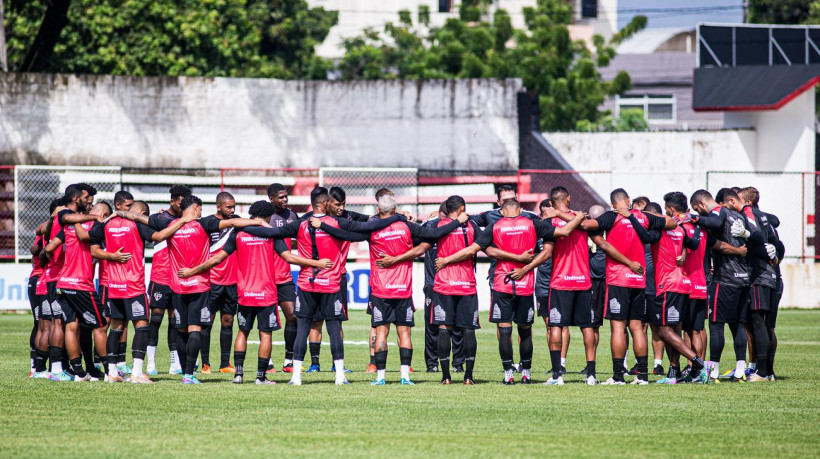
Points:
x=315 y=222
x=463 y=217
x=410 y=217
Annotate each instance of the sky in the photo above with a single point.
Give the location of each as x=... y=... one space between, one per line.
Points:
x=678 y=18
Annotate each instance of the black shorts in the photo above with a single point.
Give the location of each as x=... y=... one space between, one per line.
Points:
x=320 y=306
x=649 y=300
x=52 y=307
x=571 y=307
x=397 y=311
x=777 y=294
x=460 y=311
x=130 y=309
x=597 y=300
x=542 y=305
x=83 y=306
x=506 y=307
x=266 y=317
x=34 y=301
x=223 y=299
x=726 y=304
x=343 y=290
x=624 y=303
x=669 y=307
x=286 y=293
x=160 y=296
x=695 y=315
x=760 y=298
x=191 y=309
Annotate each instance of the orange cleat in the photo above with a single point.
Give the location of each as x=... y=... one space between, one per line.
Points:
x=206 y=369
x=228 y=370
x=411 y=370
x=371 y=368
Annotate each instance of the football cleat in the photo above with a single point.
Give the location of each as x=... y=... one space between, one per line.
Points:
x=114 y=378
x=61 y=377
x=613 y=382
x=584 y=371
x=458 y=368
x=639 y=382
x=237 y=379
x=526 y=380
x=468 y=382
x=124 y=369
x=378 y=382
x=591 y=381
x=293 y=382
x=190 y=379
x=702 y=377
x=41 y=375
x=446 y=382
x=175 y=371
x=342 y=382
x=508 y=382
x=347 y=370
x=686 y=370
x=754 y=377
x=85 y=378
x=727 y=374
x=430 y=368
x=314 y=368
x=406 y=382
x=559 y=381
x=288 y=368
x=151 y=371
x=772 y=378
x=658 y=370
x=228 y=370
x=666 y=380
x=370 y=368
x=563 y=370
x=95 y=373
x=206 y=369
x=632 y=371
x=141 y=379
x=266 y=382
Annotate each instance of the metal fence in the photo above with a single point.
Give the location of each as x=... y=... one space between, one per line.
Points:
x=792 y=196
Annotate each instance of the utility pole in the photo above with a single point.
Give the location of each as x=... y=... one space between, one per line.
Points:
x=745 y=11
x=3 y=62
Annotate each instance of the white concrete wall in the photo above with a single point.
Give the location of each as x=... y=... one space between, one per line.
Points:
x=226 y=122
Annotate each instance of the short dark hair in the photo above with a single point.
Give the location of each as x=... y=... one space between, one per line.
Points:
x=86 y=187
x=55 y=203
x=512 y=202
x=190 y=200
x=143 y=204
x=381 y=192
x=180 y=191
x=337 y=193
x=544 y=203
x=442 y=208
x=318 y=196
x=275 y=188
x=71 y=192
x=618 y=194
x=676 y=200
x=736 y=189
x=653 y=207
x=725 y=193
x=700 y=195
x=122 y=196
x=316 y=192
x=453 y=203
x=502 y=188
x=224 y=196
x=105 y=203
x=559 y=193
x=641 y=199
x=261 y=209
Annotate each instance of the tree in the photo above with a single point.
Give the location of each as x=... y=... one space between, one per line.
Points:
x=564 y=73
x=243 y=38
x=3 y=62
x=779 y=11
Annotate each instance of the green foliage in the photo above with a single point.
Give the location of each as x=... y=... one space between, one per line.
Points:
x=779 y=11
x=243 y=38
x=474 y=45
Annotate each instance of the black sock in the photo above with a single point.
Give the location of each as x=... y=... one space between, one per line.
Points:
x=469 y=347
x=290 y=338
x=555 y=359
x=225 y=339
x=761 y=338
x=740 y=341
x=112 y=345
x=591 y=368
x=525 y=347
x=97 y=357
x=40 y=358
x=121 y=349
x=86 y=346
x=334 y=332
x=505 y=347
x=261 y=367
x=406 y=356
x=315 y=349
x=672 y=373
x=643 y=368
x=173 y=334
x=717 y=340
x=140 y=342
x=300 y=345
x=239 y=362
x=192 y=351
x=55 y=354
x=381 y=360
x=697 y=366
x=373 y=359
x=444 y=347
x=153 y=333
x=618 y=369
x=205 y=344
x=77 y=366
x=182 y=349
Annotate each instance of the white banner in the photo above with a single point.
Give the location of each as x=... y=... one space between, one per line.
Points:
x=14 y=279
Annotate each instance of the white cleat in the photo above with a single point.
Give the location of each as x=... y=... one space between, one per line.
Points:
x=342 y=382
x=639 y=382
x=85 y=378
x=559 y=381
x=591 y=381
x=294 y=383
x=612 y=382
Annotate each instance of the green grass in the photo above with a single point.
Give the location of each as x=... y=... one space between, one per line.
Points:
x=40 y=418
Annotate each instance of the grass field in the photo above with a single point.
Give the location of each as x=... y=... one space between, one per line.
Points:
x=40 y=418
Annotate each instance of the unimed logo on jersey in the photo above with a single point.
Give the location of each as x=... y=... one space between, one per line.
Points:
x=580 y=278
x=396 y=286
x=188 y=282
x=254 y=294
x=631 y=275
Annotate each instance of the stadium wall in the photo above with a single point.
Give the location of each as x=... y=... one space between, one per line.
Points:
x=229 y=122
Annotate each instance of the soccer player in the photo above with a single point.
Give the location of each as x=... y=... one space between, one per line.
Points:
x=256 y=286
x=391 y=287
x=728 y=291
x=319 y=295
x=45 y=314
x=285 y=288
x=159 y=288
x=513 y=282
x=650 y=294
x=124 y=242
x=597 y=275
x=223 y=287
x=672 y=290
x=34 y=303
x=542 y=288
x=78 y=298
x=625 y=304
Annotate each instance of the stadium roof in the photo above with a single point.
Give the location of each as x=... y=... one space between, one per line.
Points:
x=668 y=68
x=649 y=40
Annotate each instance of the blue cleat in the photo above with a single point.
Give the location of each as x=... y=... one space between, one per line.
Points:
x=406 y=382
x=41 y=375
x=60 y=377
x=314 y=368
x=378 y=382
x=190 y=379
x=347 y=370
x=151 y=372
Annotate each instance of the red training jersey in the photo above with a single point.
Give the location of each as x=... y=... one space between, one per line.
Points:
x=397 y=280
x=570 y=260
x=516 y=236
x=669 y=277
x=78 y=269
x=55 y=263
x=188 y=248
x=125 y=280
x=622 y=236
x=457 y=278
x=256 y=272
x=36 y=269
x=693 y=266
x=325 y=280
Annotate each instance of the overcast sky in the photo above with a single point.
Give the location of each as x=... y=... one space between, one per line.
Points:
x=677 y=19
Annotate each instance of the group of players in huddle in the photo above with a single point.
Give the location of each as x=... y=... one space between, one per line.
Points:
x=638 y=265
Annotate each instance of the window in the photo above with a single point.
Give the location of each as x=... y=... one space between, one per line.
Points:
x=444 y=6
x=657 y=109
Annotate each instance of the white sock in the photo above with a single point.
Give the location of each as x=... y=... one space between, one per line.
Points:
x=136 y=370
x=626 y=362
x=379 y=374
x=57 y=367
x=288 y=362
x=740 y=368
x=296 y=376
x=121 y=364
x=32 y=364
x=753 y=366
x=405 y=372
x=563 y=361
x=525 y=374
x=715 y=369
x=658 y=362
x=508 y=375
x=270 y=361
x=175 y=363
x=112 y=369
x=151 y=353
x=340 y=369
